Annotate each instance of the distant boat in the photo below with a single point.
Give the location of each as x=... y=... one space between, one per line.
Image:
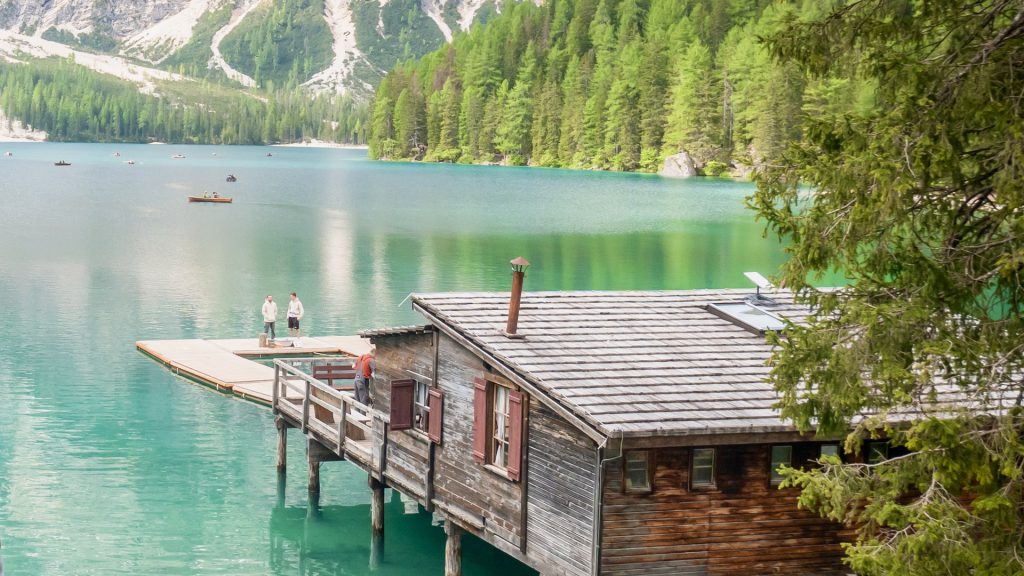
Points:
x=117 y=153
x=269 y=154
x=178 y=156
x=231 y=178
x=129 y=161
x=8 y=154
x=218 y=199
x=62 y=163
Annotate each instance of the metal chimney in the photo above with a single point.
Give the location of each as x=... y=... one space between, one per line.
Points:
x=519 y=266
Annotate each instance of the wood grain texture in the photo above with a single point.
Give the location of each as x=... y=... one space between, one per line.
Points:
x=742 y=525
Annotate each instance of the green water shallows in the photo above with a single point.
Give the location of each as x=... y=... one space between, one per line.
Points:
x=110 y=465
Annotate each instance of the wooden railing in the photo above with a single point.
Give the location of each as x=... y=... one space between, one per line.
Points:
x=332 y=417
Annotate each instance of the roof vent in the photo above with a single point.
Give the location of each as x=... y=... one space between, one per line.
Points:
x=761 y=282
x=747 y=316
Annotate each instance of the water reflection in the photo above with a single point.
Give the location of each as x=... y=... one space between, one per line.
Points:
x=311 y=539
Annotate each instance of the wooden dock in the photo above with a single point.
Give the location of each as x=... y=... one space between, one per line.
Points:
x=229 y=366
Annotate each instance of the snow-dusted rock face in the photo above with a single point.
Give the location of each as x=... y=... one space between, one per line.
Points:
x=119 y=19
x=152 y=30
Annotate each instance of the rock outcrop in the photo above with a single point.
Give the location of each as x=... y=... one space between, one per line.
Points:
x=678 y=166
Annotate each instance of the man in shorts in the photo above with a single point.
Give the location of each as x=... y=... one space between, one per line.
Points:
x=269 y=316
x=295 y=313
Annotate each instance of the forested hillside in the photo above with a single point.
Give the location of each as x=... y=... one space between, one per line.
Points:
x=283 y=42
x=608 y=84
x=73 y=103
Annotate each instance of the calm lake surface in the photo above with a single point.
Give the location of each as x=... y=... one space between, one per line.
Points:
x=111 y=465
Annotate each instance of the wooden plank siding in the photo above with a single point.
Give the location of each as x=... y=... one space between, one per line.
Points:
x=460 y=483
x=742 y=525
x=402 y=357
x=560 y=493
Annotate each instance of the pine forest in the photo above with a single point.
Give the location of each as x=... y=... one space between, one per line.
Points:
x=609 y=84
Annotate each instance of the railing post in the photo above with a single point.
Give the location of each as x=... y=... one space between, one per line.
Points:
x=305 y=406
x=342 y=421
x=277 y=383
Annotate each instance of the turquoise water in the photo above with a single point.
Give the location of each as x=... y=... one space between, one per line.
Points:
x=111 y=465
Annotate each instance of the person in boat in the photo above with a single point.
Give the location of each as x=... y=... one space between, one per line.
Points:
x=295 y=313
x=365 y=367
x=206 y=194
x=269 y=316
x=216 y=195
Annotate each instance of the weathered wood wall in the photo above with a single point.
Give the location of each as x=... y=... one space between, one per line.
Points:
x=402 y=357
x=561 y=480
x=460 y=483
x=741 y=526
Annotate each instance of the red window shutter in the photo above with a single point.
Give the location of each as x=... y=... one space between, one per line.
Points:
x=401 y=404
x=435 y=400
x=515 y=436
x=479 y=419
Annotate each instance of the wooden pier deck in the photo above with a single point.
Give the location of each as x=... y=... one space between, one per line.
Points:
x=228 y=365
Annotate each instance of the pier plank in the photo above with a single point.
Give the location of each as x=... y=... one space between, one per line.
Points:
x=227 y=364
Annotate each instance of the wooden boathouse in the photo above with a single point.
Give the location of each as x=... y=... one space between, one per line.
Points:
x=583 y=433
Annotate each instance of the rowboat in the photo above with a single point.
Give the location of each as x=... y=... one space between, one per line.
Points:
x=62 y=163
x=219 y=199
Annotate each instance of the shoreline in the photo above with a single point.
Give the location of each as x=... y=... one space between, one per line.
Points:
x=322 y=144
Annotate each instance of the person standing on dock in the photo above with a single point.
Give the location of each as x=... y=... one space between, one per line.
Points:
x=365 y=365
x=269 y=316
x=295 y=313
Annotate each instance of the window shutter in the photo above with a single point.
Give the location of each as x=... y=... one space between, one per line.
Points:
x=479 y=419
x=401 y=404
x=435 y=400
x=515 y=436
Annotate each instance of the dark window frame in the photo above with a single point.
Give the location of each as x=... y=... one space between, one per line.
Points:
x=649 y=467
x=711 y=483
x=774 y=478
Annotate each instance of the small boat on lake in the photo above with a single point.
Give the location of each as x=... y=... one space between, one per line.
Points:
x=178 y=156
x=62 y=163
x=231 y=178
x=214 y=199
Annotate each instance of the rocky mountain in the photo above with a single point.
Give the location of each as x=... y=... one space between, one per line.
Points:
x=339 y=46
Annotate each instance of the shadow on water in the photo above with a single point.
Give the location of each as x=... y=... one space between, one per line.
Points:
x=310 y=539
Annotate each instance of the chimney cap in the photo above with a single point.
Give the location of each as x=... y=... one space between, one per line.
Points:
x=519 y=264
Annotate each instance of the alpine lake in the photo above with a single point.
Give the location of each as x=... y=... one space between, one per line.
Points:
x=110 y=464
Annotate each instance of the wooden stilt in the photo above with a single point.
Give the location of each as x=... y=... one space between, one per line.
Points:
x=452 y=549
x=282 y=445
x=377 y=507
x=281 y=484
x=314 y=475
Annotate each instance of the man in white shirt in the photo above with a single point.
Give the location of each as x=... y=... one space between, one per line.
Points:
x=295 y=313
x=269 y=316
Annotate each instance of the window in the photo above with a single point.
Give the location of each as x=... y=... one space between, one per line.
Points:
x=416 y=406
x=877 y=452
x=829 y=450
x=702 y=471
x=637 y=471
x=420 y=407
x=780 y=455
x=498 y=426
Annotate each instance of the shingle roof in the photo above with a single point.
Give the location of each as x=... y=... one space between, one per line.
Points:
x=636 y=363
x=396 y=331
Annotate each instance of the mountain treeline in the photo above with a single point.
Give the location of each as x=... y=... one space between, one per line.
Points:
x=72 y=103
x=608 y=84
x=282 y=42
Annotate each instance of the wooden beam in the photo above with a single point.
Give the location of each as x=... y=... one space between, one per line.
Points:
x=377 y=507
x=711 y=439
x=500 y=365
x=282 y=444
x=452 y=549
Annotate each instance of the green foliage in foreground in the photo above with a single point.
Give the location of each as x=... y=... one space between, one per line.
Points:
x=921 y=204
x=608 y=84
x=72 y=103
